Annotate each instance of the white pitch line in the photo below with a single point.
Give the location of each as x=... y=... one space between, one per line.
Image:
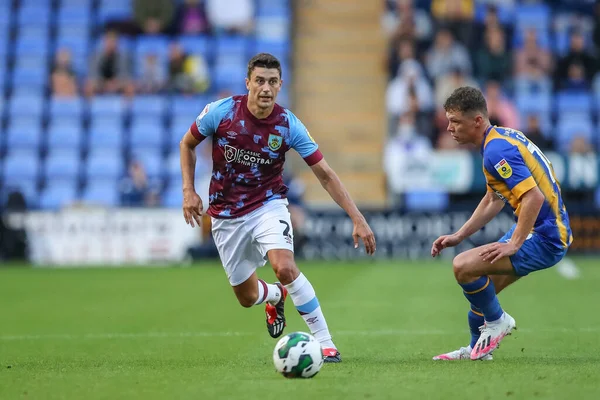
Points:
x=150 y=335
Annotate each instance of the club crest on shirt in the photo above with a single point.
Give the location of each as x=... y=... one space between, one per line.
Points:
x=230 y=153
x=275 y=142
x=504 y=169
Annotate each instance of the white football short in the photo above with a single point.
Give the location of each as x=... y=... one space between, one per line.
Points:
x=243 y=242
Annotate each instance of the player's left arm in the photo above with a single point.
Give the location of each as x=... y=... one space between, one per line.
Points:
x=308 y=149
x=506 y=163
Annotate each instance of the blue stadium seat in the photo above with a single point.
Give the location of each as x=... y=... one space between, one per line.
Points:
x=280 y=49
x=64 y=135
x=19 y=166
x=58 y=194
x=534 y=103
x=104 y=165
x=146 y=134
x=62 y=165
x=26 y=106
x=544 y=39
x=106 y=135
x=532 y=15
x=230 y=77
x=573 y=101
x=102 y=192
x=149 y=106
x=152 y=45
x=23 y=133
x=60 y=152
x=87 y=4
x=232 y=45
x=29 y=77
x=33 y=32
x=29 y=90
x=189 y=107
x=426 y=200
x=172 y=197
x=35 y=46
x=38 y=14
x=74 y=15
x=505 y=12
x=107 y=106
x=152 y=162
x=114 y=11
x=75 y=40
x=203 y=45
x=173 y=165
x=66 y=107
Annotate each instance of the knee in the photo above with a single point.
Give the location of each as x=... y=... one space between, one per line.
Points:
x=247 y=300
x=460 y=266
x=285 y=270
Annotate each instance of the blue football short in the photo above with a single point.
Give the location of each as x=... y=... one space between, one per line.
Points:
x=534 y=255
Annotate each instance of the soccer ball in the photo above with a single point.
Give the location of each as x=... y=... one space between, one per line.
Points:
x=298 y=355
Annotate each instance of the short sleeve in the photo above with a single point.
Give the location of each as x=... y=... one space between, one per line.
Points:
x=302 y=141
x=210 y=118
x=504 y=161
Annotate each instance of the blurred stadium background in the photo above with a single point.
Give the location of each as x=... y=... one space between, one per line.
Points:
x=96 y=94
x=94 y=98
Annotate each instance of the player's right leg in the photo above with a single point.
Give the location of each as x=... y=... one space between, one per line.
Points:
x=240 y=260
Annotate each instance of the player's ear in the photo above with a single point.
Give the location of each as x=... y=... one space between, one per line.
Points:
x=248 y=84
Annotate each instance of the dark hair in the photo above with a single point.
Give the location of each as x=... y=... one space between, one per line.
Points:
x=466 y=99
x=263 y=60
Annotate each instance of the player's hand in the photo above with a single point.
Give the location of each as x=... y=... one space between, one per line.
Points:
x=444 y=241
x=192 y=207
x=495 y=251
x=364 y=232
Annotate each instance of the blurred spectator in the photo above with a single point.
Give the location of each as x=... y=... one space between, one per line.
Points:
x=64 y=80
x=577 y=55
x=410 y=79
x=580 y=145
x=296 y=207
x=153 y=76
x=135 y=189
x=109 y=69
x=187 y=74
x=457 y=15
x=491 y=21
x=403 y=21
x=191 y=18
x=446 y=55
x=231 y=16
x=493 y=61
x=533 y=131
x=532 y=56
x=404 y=51
x=501 y=110
x=576 y=79
x=448 y=83
x=153 y=16
x=405 y=154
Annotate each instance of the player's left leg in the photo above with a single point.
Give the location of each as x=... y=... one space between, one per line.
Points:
x=304 y=298
x=473 y=274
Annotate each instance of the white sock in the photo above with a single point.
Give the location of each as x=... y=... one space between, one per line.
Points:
x=307 y=304
x=267 y=292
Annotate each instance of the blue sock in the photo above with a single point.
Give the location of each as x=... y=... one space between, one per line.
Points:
x=475 y=321
x=482 y=294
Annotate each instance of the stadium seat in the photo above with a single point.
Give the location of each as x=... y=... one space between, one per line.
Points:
x=104 y=165
x=152 y=162
x=23 y=133
x=567 y=129
x=280 y=49
x=203 y=45
x=34 y=77
x=232 y=45
x=26 y=106
x=58 y=194
x=146 y=134
x=74 y=15
x=66 y=107
x=106 y=135
x=532 y=15
x=149 y=106
x=62 y=165
x=189 y=107
x=107 y=106
x=38 y=14
x=64 y=135
x=426 y=200
x=114 y=11
x=172 y=197
x=19 y=166
x=535 y=103
x=573 y=102
x=102 y=192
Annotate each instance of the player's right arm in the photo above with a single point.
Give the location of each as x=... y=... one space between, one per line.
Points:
x=205 y=125
x=487 y=209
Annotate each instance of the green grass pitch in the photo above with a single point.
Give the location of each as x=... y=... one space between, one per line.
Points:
x=178 y=333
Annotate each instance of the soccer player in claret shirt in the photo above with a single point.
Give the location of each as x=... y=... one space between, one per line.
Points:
x=520 y=175
x=247 y=204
